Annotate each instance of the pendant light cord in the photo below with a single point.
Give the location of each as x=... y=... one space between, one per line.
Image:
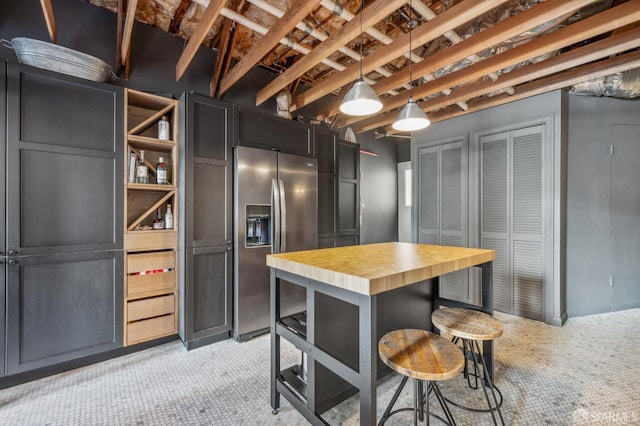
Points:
x=410 y=75
x=361 y=38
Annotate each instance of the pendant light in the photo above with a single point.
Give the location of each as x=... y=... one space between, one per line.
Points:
x=361 y=99
x=411 y=117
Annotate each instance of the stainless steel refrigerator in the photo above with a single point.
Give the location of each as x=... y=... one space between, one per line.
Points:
x=275 y=205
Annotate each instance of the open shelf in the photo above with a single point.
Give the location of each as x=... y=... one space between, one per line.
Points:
x=151 y=294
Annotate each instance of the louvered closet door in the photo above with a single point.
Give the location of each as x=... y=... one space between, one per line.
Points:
x=443 y=207
x=428 y=223
x=527 y=222
x=494 y=228
x=512 y=217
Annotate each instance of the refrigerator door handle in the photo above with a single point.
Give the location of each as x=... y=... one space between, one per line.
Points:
x=283 y=212
x=275 y=214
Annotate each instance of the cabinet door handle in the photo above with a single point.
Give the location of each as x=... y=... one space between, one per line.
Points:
x=229 y=248
x=12 y=261
x=13 y=252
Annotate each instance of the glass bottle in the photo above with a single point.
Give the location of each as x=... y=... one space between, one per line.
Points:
x=168 y=218
x=158 y=223
x=163 y=129
x=142 y=171
x=161 y=172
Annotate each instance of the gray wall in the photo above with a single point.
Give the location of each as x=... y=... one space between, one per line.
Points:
x=590 y=242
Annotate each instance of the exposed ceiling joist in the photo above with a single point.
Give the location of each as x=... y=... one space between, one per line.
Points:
x=583 y=73
x=178 y=16
x=223 y=52
x=296 y=13
x=119 y=12
x=370 y=16
x=613 y=45
x=448 y=20
x=537 y=15
x=47 y=10
x=125 y=49
x=208 y=17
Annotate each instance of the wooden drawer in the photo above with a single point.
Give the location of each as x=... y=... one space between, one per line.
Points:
x=151 y=307
x=141 y=262
x=139 y=284
x=153 y=328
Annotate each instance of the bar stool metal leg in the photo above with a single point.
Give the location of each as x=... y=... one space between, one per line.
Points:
x=475 y=350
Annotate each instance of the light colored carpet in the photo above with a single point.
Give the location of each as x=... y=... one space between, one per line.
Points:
x=581 y=374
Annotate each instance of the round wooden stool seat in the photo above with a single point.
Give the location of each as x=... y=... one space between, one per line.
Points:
x=420 y=354
x=467 y=323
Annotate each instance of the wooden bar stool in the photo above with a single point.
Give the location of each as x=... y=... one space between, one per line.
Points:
x=472 y=327
x=422 y=356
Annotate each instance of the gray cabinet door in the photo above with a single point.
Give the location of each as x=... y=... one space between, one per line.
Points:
x=206 y=205
x=259 y=129
x=208 y=171
x=210 y=314
x=348 y=188
x=64 y=164
x=62 y=307
x=326 y=142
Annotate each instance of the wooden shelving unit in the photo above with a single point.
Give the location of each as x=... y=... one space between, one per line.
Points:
x=151 y=292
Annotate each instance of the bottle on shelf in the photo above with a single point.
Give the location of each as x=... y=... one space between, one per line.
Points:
x=161 y=172
x=158 y=223
x=168 y=218
x=163 y=129
x=142 y=171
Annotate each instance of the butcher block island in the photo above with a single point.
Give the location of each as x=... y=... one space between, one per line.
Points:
x=355 y=295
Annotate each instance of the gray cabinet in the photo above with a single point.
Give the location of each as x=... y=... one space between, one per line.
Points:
x=62 y=307
x=338 y=189
x=259 y=129
x=64 y=170
x=205 y=227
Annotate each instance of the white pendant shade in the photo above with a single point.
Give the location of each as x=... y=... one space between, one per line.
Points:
x=360 y=100
x=411 y=118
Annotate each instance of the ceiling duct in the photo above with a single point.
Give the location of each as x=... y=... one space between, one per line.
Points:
x=624 y=85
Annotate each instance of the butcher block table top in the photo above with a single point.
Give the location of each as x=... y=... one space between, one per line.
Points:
x=375 y=268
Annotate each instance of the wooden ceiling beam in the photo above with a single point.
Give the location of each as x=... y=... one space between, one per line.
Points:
x=370 y=16
x=125 y=49
x=531 y=18
x=174 y=27
x=581 y=74
x=50 y=19
x=119 y=12
x=588 y=53
x=223 y=49
x=209 y=16
x=448 y=20
x=296 y=13
x=589 y=27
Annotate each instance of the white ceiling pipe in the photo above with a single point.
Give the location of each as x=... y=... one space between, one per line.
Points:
x=254 y=26
x=318 y=35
